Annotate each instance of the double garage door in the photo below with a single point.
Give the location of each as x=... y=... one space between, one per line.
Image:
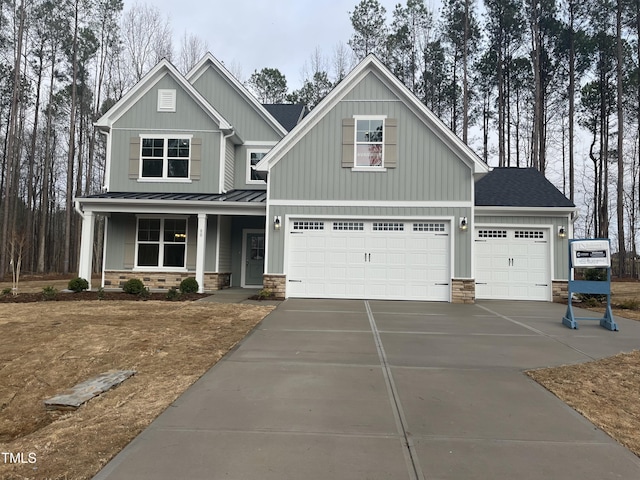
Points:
x=391 y=260
x=512 y=263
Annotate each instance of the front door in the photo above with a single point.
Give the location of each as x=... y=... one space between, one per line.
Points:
x=254 y=259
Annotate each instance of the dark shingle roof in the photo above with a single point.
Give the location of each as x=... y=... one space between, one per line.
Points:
x=248 y=196
x=288 y=115
x=518 y=187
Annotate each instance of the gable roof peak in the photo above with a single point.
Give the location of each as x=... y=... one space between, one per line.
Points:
x=146 y=83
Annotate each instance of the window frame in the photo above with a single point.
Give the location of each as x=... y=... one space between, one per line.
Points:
x=165 y=158
x=356 y=143
x=248 y=179
x=161 y=244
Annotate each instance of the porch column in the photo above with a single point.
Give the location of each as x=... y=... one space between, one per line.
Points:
x=85 y=264
x=201 y=242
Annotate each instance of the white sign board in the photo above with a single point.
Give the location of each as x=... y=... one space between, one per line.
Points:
x=590 y=254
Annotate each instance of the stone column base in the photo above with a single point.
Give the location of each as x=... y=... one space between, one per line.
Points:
x=560 y=291
x=463 y=290
x=276 y=283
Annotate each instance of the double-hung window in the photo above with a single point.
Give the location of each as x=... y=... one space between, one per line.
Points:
x=161 y=242
x=165 y=157
x=369 y=143
x=254 y=155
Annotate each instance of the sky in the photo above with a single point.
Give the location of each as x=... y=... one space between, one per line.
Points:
x=254 y=34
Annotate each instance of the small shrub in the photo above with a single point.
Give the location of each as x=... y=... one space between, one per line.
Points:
x=133 y=286
x=189 y=285
x=145 y=293
x=265 y=294
x=595 y=274
x=630 y=304
x=101 y=293
x=6 y=291
x=49 y=293
x=173 y=294
x=78 y=285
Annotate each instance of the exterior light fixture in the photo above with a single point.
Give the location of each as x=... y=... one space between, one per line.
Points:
x=277 y=222
x=463 y=223
x=562 y=232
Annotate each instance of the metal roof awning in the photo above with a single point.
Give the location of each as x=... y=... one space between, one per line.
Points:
x=234 y=202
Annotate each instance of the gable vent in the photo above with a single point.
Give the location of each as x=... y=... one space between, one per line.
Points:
x=166 y=100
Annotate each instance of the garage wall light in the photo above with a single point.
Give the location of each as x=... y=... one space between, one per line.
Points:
x=277 y=222
x=463 y=223
x=562 y=232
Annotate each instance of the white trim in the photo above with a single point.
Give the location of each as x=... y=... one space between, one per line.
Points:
x=170 y=130
x=107 y=167
x=165 y=158
x=243 y=265
x=85 y=260
x=370 y=169
x=201 y=241
x=258 y=143
x=247 y=165
x=104 y=251
x=370 y=203
x=520 y=211
x=162 y=218
x=218 y=238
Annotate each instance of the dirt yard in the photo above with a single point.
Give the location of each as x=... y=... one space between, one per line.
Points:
x=47 y=347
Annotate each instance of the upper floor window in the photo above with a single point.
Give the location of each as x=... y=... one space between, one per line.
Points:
x=161 y=242
x=369 y=142
x=165 y=158
x=254 y=155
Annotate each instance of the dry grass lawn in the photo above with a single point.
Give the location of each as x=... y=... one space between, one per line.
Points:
x=47 y=347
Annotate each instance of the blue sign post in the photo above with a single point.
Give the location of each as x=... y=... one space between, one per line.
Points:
x=591 y=253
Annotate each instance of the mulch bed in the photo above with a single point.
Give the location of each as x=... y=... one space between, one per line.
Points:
x=95 y=295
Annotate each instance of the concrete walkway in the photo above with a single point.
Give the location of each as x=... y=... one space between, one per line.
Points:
x=388 y=390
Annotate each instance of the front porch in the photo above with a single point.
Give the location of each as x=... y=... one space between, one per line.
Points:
x=163 y=239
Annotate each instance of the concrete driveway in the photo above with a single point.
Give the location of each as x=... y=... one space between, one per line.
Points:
x=388 y=390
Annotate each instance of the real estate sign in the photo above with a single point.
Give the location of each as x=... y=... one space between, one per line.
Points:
x=590 y=254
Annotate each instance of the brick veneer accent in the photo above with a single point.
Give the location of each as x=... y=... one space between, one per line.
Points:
x=463 y=290
x=560 y=291
x=165 y=280
x=276 y=283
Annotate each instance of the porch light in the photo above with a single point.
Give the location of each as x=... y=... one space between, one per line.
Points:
x=276 y=222
x=562 y=232
x=463 y=223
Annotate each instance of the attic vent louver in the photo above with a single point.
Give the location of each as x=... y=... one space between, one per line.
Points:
x=166 y=100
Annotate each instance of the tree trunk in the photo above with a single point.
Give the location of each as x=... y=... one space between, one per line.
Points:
x=572 y=95
x=620 y=182
x=71 y=152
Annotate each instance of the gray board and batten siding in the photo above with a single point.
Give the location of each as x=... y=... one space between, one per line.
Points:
x=188 y=119
x=426 y=170
x=235 y=108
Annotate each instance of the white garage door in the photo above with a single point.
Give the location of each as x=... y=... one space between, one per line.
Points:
x=512 y=263
x=368 y=259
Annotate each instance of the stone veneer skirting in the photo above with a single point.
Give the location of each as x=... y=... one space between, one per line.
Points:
x=560 y=291
x=276 y=283
x=463 y=290
x=164 y=280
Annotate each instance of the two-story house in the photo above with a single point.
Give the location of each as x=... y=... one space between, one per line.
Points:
x=370 y=195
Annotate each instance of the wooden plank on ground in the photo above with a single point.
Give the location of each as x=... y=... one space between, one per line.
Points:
x=82 y=392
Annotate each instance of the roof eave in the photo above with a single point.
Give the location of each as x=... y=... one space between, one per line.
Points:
x=512 y=210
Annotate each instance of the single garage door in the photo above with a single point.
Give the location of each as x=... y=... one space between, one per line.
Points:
x=404 y=260
x=512 y=264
